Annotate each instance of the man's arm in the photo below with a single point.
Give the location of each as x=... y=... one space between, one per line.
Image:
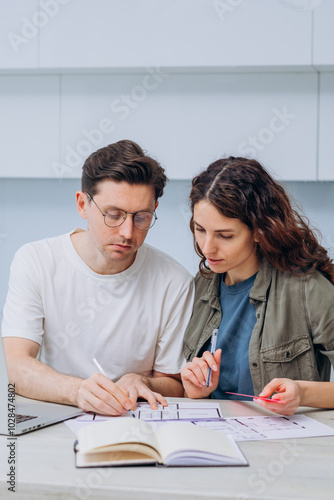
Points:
x=151 y=388
x=166 y=384
x=36 y=380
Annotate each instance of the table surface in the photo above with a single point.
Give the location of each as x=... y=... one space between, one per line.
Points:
x=289 y=468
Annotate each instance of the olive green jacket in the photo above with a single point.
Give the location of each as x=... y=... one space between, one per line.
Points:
x=294 y=333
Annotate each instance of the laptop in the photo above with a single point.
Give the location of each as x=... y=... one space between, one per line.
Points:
x=18 y=417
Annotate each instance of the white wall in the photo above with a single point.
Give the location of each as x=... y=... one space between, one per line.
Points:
x=190 y=80
x=37 y=208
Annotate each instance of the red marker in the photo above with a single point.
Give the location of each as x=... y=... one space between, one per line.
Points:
x=256 y=397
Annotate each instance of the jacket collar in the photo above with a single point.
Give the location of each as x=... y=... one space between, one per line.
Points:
x=258 y=291
x=262 y=281
x=211 y=294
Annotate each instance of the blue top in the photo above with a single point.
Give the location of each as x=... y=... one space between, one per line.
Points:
x=234 y=333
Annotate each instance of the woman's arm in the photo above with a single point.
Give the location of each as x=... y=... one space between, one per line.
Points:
x=195 y=373
x=297 y=393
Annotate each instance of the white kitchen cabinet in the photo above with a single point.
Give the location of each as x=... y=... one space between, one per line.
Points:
x=187 y=121
x=29 y=125
x=176 y=34
x=18 y=34
x=326 y=127
x=323 y=38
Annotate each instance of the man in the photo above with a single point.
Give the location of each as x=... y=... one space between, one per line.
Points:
x=100 y=293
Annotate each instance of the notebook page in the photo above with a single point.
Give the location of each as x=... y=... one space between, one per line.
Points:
x=122 y=430
x=177 y=437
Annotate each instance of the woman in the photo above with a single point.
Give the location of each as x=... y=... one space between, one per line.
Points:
x=263 y=267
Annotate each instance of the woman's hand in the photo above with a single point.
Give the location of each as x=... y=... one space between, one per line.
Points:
x=194 y=375
x=286 y=390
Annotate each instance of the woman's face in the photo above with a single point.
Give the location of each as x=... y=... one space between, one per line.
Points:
x=227 y=244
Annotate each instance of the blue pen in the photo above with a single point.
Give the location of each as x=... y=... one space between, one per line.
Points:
x=214 y=336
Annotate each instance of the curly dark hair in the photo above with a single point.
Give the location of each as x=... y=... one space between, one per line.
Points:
x=241 y=188
x=123 y=161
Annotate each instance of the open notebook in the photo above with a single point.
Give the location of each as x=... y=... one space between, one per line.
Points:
x=129 y=441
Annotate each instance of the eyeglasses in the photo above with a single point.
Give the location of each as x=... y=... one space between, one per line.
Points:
x=142 y=220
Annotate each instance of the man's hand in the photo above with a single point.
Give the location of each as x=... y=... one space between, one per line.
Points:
x=137 y=386
x=97 y=393
x=195 y=373
x=100 y=395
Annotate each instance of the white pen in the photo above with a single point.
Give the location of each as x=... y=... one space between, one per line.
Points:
x=99 y=367
x=214 y=336
x=101 y=370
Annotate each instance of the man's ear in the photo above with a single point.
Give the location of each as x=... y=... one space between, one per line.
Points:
x=156 y=205
x=81 y=200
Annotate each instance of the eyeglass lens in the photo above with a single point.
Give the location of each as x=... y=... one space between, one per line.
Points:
x=142 y=220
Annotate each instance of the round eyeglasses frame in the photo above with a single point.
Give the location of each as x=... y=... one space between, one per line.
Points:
x=154 y=219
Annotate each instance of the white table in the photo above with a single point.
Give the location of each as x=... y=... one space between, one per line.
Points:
x=282 y=469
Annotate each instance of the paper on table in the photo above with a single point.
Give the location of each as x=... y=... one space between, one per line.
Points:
x=75 y=424
x=179 y=411
x=183 y=411
x=267 y=427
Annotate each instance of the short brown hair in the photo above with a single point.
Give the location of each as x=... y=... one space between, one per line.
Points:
x=123 y=161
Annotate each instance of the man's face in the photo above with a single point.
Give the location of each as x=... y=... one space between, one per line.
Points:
x=113 y=250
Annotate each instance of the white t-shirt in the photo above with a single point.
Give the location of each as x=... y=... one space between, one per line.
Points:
x=131 y=322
